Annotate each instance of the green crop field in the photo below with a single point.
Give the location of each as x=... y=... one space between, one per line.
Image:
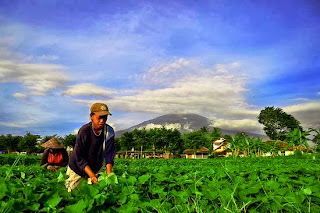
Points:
x=280 y=184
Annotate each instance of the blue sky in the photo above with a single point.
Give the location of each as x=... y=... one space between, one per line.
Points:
x=225 y=60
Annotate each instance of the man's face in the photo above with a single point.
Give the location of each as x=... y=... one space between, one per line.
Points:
x=98 y=121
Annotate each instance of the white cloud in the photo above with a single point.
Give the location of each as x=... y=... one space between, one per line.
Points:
x=75 y=131
x=43 y=58
x=318 y=93
x=239 y=125
x=11 y=124
x=216 y=95
x=307 y=113
x=159 y=126
x=19 y=95
x=206 y=90
x=217 y=92
x=245 y=113
x=315 y=106
x=168 y=73
x=151 y=126
x=16 y=124
x=301 y=99
x=38 y=79
x=88 y=89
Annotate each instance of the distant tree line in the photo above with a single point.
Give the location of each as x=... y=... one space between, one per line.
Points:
x=31 y=143
x=278 y=125
x=169 y=140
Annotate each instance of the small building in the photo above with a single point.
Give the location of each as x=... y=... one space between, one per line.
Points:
x=143 y=154
x=219 y=146
x=201 y=153
x=285 y=150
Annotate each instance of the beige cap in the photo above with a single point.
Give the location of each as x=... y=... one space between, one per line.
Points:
x=100 y=109
x=53 y=143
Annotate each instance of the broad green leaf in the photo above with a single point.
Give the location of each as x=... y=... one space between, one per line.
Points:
x=307 y=191
x=124 y=175
x=272 y=184
x=100 y=199
x=3 y=189
x=252 y=190
x=127 y=190
x=132 y=180
x=78 y=207
x=28 y=192
x=89 y=204
x=23 y=175
x=34 y=207
x=161 y=177
x=134 y=197
x=61 y=178
x=157 y=190
x=54 y=200
x=7 y=206
x=142 y=179
x=93 y=191
x=112 y=178
x=123 y=199
x=282 y=191
x=198 y=193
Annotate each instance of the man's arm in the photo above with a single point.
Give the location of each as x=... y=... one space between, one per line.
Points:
x=91 y=174
x=110 y=154
x=109 y=168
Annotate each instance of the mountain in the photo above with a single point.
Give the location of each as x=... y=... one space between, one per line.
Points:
x=183 y=122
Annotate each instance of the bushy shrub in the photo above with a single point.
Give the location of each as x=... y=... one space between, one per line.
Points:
x=9 y=159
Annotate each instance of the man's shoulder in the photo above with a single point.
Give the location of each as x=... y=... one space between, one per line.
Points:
x=85 y=128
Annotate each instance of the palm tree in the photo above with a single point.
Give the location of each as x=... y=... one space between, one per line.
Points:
x=298 y=138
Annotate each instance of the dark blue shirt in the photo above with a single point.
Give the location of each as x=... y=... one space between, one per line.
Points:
x=89 y=150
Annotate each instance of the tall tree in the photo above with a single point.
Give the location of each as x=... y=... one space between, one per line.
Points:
x=28 y=142
x=117 y=145
x=69 y=140
x=297 y=137
x=195 y=140
x=215 y=134
x=126 y=141
x=175 y=142
x=9 y=142
x=277 y=123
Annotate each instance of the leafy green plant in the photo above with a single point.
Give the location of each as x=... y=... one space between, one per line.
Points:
x=279 y=184
x=297 y=137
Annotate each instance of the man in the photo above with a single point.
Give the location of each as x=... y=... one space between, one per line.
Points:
x=95 y=141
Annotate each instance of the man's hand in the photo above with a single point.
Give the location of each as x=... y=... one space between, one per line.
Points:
x=92 y=175
x=94 y=179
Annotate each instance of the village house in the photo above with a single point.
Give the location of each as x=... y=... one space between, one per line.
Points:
x=284 y=149
x=143 y=154
x=199 y=154
x=220 y=146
